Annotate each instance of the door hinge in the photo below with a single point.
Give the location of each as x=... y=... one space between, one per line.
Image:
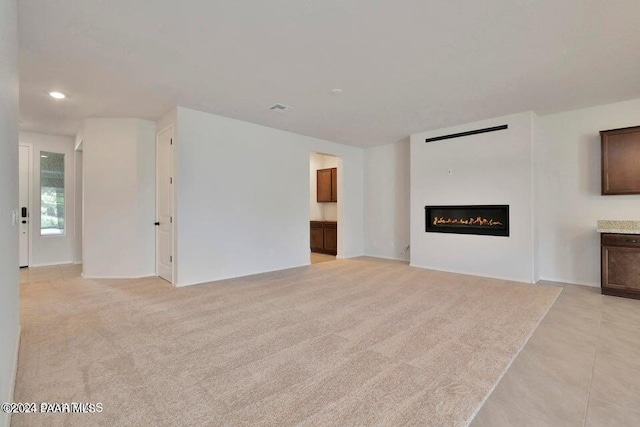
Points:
x=171 y=141
x=171 y=180
x=170 y=220
x=170 y=258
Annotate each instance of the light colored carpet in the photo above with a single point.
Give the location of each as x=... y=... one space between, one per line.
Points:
x=350 y=342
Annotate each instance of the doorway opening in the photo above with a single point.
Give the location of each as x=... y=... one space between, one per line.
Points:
x=324 y=205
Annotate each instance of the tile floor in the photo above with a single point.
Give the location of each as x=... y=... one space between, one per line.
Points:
x=581 y=367
x=316 y=258
x=54 y=272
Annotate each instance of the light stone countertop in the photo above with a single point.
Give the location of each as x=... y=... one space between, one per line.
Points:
x=618 y=227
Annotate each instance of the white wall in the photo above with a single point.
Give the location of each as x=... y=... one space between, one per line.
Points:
x=321 y=211
x=243 y=197
x=568 y=182
x=53 y=249
x=490 y=168
x=119 y=198
x=9 y=288
x=386 y=175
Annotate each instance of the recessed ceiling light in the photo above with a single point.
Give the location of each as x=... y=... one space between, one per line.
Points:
x=44 y=157
x=336 y=91
x=57 y=95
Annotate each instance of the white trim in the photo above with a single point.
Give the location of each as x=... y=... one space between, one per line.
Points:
x=14 y=374
x=142 y=276
x=467 y=273
x=343 y=256
x=386 y=257
x=51 y=264
x=573 y=282
x=219 y=279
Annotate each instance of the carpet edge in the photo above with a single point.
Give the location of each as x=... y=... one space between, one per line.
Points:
x=526 y=341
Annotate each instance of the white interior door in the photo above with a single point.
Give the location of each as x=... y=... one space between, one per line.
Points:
x=24 y=183
x=164 y=200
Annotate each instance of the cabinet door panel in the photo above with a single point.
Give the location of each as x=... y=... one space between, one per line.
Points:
x=323 y=185
x=622 y=268
x=317 y=240
x=620 y=159
x=334 y=185
x=331 y=240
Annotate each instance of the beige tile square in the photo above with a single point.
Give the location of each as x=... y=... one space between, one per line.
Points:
x=621 y=310
x=568 y=367
x=494 y=414
x=318 y=258
x=616 y=378
x=564 y=334
x=603 y=414
x=620 y=339
x=542 y=395
x=569 y=305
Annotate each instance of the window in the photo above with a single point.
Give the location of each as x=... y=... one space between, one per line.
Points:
x=51 y=193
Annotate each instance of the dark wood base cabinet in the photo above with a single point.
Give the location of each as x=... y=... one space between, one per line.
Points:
x=621 y=265
x=324 y=237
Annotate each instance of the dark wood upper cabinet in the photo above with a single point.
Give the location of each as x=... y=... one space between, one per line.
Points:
x=327 y=185
x=621 y=161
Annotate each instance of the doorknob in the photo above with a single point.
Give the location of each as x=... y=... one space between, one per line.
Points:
x=156 y=223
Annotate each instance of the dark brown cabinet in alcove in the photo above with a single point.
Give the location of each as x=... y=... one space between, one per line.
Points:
x=621 y=161
x=317 y=236
x=324 y=237
x=327 y=185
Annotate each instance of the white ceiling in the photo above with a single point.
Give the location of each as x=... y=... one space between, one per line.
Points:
x=405 y=66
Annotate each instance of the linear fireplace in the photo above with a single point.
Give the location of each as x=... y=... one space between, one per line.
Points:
x=492 y=220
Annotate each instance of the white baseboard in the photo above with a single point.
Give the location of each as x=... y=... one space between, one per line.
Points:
x=572 y=282
x=347 y=256
x=14 y=375
x=386 y=257
x=142 y=276
x=468 y=273
x=51 y=264
x=218 y=279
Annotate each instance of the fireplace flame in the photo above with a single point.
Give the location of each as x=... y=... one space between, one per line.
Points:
x=471 y=221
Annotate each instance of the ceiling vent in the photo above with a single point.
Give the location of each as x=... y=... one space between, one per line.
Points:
x=279 y=108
